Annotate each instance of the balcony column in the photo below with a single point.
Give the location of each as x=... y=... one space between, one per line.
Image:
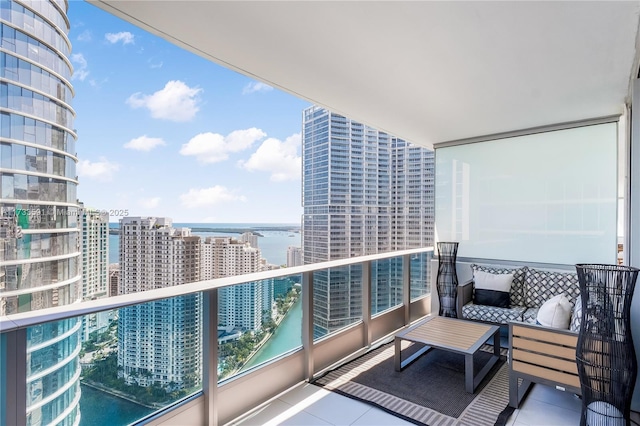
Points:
x=307 y=323
x=210 y=356
x=632 y=229
x=13 y=370
x=406 y=287
x=366 y=302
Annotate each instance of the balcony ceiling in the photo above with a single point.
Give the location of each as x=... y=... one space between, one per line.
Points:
x=425 y=71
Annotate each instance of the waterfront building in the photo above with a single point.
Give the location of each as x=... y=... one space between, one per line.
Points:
x=39 y=236
x=159 y=341
x=251 y=238
x=239 y=306
x=95 y=266
x=364 y=192
x=294 y=256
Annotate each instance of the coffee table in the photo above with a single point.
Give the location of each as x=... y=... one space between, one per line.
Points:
x=454 y=335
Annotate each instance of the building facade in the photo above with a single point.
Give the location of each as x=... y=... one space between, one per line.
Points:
x=95 y=266
x=239 y=306
x=363 y=192
x=40 y=264
x=294 y=256
x=251 y=238
x=159 y=341
x=114 y=279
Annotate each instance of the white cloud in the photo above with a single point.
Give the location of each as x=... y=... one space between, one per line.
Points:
x=85 y=36
x=144 y=143
x=124 y=36
x=149 y=203
x=256 y=86
x=80 y=71
x=175 y=102
x=208 y=197
x=213 y=147
x=101 y=170
x=153 y=64
x=279 y=158
x=97 y=84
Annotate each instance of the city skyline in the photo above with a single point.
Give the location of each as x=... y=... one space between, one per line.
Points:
x=191 y=140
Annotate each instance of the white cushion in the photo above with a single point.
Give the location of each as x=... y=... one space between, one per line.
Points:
x=555 y=312
x=492 y=289
x=497 y=282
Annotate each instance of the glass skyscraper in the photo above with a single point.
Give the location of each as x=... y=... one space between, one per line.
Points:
x=40 y=256
x=363 y=192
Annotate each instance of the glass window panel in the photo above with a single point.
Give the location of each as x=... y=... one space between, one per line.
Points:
x=386 y=284
x=337 y=299
x=557 y=206
x=420 y=275
x=5 y=155
x=274 y=312
x=17 y=127
x=7 y=186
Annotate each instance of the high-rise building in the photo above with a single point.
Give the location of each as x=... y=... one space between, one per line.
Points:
x=40 y=260
x=294 y=256
x=95 y=265
x=114 y=279
x=251 y=238
x=240 y=306
x=363 y=192
x=159 y=341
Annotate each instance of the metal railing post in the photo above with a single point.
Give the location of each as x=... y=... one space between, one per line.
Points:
x=13 y=369
x=210 y=355
x=366 y=302
x=406 y=287
x=307 y=323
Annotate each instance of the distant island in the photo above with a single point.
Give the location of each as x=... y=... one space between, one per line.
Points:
x=116 y=231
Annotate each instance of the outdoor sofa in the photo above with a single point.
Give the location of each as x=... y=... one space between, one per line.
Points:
x=542 y=311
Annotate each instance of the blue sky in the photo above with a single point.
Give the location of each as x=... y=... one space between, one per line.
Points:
x=163 y=132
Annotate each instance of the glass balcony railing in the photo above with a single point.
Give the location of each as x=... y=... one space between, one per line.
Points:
x=153 y=353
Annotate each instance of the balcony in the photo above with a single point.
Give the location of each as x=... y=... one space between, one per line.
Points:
x=493 y=77
x=218 y=400
x=277 y=390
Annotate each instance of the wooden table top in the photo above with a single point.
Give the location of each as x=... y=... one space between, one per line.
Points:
x=449 y=333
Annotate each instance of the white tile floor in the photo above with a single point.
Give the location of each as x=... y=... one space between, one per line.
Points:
x=309 y=405
x=546 y=406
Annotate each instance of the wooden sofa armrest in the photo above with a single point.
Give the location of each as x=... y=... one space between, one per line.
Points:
x=540 y=354
x=465 y=295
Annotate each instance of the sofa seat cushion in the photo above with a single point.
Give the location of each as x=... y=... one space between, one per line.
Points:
x=516 y=294
x=492 y=313
x=530 y=315
x=541 y=286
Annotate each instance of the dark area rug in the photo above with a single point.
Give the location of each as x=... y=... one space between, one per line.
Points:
x=430 y=391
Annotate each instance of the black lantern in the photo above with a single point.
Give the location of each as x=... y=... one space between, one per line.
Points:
x=447 y=281
x=605 y=355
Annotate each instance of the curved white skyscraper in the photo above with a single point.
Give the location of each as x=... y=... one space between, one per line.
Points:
x=39 y=250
